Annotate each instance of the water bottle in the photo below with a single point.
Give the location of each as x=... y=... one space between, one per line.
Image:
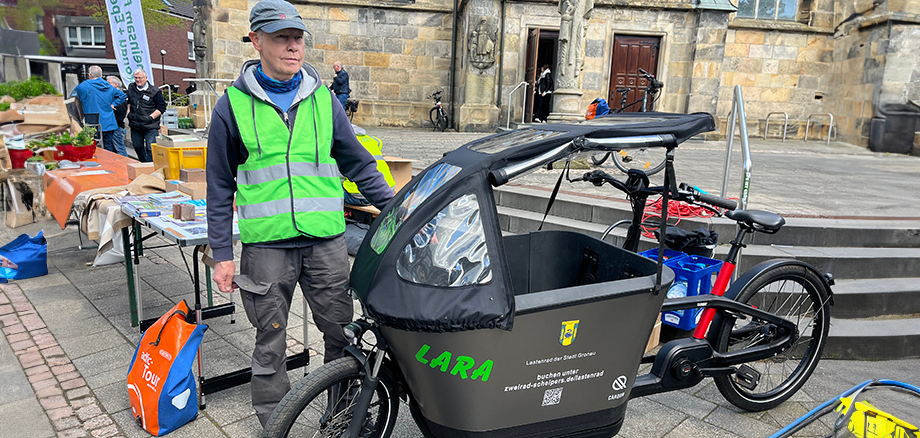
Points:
x=678 y=290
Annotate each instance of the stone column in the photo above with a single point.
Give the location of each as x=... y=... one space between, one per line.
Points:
x=706 y=77
x=570 y=60
x=480 y=74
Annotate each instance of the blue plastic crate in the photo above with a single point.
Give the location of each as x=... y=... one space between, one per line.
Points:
x=669 y=255
x=697 y=272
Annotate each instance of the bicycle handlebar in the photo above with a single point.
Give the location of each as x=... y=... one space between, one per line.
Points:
x=654 y=84
x=684 y=193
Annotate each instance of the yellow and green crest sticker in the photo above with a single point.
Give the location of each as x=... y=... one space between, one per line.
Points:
x=569 y=330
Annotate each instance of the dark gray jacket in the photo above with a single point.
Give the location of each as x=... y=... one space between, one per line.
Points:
x=226 y=152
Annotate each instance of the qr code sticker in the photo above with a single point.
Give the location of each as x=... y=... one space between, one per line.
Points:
x=552 y=396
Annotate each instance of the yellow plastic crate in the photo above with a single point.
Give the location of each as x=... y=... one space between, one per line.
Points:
x=173 y=159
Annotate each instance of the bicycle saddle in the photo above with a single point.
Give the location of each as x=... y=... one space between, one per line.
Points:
x=765 y=221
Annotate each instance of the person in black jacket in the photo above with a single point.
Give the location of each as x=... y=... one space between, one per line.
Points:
x=340 y=83
x=121 y=110
x=146 y=104
x=543 y=95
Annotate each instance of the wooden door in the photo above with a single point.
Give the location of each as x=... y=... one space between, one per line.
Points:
x=530 y=74
x=630 y=53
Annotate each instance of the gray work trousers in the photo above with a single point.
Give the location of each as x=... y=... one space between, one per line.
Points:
x=322 y=271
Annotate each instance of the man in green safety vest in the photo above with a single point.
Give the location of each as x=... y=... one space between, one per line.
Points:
x=352 y=195
x=276 y=147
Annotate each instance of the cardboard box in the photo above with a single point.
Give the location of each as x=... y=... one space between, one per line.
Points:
x=45 y=110
x=170 y=141
x=192 y=175
x=11 y=115
x=197 y=190
x=199 y=120
x=137 y=169
x=172 y=185
x=182 y=111
x=655 y=337
x=183 y=212
x=401 y=169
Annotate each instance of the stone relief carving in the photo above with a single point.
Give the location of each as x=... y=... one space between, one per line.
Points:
x=572 y=30
x=200 y=33
x=482 y=45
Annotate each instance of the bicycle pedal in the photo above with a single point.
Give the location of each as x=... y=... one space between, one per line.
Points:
x=747 y=377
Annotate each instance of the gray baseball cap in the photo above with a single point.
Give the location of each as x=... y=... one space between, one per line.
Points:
x=270 y=16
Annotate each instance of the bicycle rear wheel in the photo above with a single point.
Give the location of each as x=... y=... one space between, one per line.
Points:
x=648 y=160
x=599 y=159
x=792 y=292
x=322 y=404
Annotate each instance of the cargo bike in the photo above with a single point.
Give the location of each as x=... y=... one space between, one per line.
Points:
x=541 y=334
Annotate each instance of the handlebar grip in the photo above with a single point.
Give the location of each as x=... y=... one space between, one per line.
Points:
x=717 y=201
x=644 y=72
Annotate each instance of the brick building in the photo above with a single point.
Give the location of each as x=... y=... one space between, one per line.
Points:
x=801 y=57
x=81 y=41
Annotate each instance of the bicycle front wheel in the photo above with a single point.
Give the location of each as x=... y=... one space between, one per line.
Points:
x=438 y=119
x=648 y=160
x=322 y=404
x=791 y=292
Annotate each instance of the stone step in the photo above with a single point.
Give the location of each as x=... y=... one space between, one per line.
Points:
x=843 y=263
x=866 y=298
x=821 y=232
x=873 y=339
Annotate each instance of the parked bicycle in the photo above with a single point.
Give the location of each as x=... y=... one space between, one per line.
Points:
x=541 y=334
x=650 y=160
x=351 y=107
x=437 y=115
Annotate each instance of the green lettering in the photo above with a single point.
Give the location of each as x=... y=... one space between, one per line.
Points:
x=483 y=371
x=464 y=363
x=442 y=361
x=420 y=356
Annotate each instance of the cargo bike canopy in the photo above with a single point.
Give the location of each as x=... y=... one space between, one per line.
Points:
x=435 y=260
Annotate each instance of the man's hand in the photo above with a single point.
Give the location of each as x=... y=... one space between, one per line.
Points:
x=223 y=275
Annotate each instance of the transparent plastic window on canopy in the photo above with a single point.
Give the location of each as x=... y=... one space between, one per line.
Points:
x=424 y=187
x=450 y=250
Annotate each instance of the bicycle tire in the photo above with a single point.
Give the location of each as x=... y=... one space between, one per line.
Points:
x=794 y=293
x=350 y=114
x=648 y=160
x=301 y=411
x=433 y=117
x=598 y=161
x=442 y=120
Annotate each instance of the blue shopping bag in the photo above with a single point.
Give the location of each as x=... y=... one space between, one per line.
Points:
x=29 y=254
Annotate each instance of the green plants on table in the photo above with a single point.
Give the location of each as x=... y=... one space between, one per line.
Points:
x=179 y=99
x=4 y=106
x=19 y=90
x=86 y=137
x=186 y=123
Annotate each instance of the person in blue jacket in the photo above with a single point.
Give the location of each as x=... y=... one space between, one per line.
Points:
x=97 y=96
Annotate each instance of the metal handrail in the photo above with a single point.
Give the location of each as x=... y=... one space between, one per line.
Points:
x=737 y=115
x=523 y=104
x=207 y=101
x=829 y=129
x=785 y=122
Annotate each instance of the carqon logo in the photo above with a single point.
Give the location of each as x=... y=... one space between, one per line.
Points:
x=619 y=384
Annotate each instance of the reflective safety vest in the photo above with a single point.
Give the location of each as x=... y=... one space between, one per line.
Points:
x=289 y=185
x=372 y=144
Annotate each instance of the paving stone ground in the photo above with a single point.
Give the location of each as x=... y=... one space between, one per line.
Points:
x=67 y=339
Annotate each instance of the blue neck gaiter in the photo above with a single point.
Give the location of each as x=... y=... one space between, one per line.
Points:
x=271 y=85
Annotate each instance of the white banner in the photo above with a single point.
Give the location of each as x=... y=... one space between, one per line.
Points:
x=129 y=36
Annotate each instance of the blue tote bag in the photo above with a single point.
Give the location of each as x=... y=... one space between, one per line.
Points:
x=29 y=253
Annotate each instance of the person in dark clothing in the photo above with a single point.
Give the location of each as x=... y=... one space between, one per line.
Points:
x=146 y=104
x=121 y=111
x=276 y=147
x=544 y=94
x=99 y=97
x=340 y=83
